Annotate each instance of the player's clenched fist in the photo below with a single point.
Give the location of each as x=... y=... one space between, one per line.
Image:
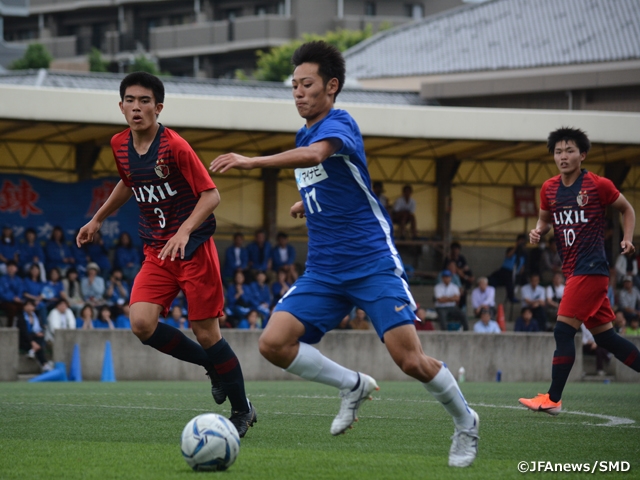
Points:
x=534 y=236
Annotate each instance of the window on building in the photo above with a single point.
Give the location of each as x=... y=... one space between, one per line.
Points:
x=370 y=8
x=414 y=10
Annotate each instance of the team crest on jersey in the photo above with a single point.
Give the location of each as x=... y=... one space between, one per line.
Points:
x=582 y=198
x=162 y=169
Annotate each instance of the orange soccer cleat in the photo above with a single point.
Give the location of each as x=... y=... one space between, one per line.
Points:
x=542 y=403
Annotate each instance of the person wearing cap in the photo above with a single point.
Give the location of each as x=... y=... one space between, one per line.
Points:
x=629 y=299
x=486 y=324
x=92 y=286
x=447 y=296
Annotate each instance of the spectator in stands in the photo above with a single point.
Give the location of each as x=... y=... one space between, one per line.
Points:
x=239 y=299
x=284 y=256
x=177 y=319
x=628 y=299
x=31 y=252
x=512 y=267
x=378 y=189
x=525 y=322
x=360 y=321
x=611 y=289
x=223 y=320
x=259 y=253
x=590 y=347
x=72 y=291
x=422 y=321
x=85 y=320
x=31 y=335
x=627 y=266
x=554 y=293
x=252 y=322
x=127 y=257
x=280 y=286
x=345 y=323
x=57 y=253
x=486 y=324
x=34 y=290
x=447 y=296
x=633 y=330
x=11 y=293
x=261 y=296
x=53 y=288
x=117 y=290
x=9 y=249
x=98 y=253
x=404 y=212
x=535 y=297
x=483 y=296
x=80 y=258
x=458 y=262
x=60 y=317
x=104 y=319
x=620 y=323
x=550 y=261
x=123 y=320
x=92 y=286
x=236 y=257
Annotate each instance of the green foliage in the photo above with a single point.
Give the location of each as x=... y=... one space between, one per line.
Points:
x=144 y=64
x=36 y=56
x=96 y=62
x=275 y=65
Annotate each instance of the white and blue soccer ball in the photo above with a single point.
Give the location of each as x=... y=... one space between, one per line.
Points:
x=210 y=442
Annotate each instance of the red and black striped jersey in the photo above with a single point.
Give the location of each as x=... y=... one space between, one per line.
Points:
x=578 y=214
x=167 y=182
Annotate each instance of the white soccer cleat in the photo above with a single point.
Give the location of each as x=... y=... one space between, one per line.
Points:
x=465 y=444
x=351 y=401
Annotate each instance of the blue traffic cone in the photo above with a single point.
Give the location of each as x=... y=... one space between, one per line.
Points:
x=75 y=371
x=58 y=374
x=108 y=374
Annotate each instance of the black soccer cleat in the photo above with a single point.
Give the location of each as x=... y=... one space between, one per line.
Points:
x=219 y=395
x=243 y=420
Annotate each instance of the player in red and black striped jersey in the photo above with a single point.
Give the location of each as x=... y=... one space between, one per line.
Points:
x=176 y=197
x=574 y=204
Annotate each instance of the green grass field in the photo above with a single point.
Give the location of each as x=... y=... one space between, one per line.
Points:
x=130 y=430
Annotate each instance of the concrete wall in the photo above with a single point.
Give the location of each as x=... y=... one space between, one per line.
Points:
x=8 y=354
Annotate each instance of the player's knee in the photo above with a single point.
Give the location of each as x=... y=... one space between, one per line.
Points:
x=269 y=347
x=142 y=328
x=410 y=365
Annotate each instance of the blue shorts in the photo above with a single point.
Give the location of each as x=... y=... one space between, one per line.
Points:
x=320 y=301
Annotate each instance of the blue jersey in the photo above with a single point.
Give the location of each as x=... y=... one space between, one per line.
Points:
x=348 y=227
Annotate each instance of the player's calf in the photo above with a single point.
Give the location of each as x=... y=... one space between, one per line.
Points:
x=622 y=349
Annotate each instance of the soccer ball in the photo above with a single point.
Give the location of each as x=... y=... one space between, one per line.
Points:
x=210 y=442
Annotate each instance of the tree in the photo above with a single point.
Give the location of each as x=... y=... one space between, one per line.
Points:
x=144 y=64
x=275 y=65
x=96 y=62
x=36 y=56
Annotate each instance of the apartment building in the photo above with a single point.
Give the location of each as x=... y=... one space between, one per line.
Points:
x=202 y=38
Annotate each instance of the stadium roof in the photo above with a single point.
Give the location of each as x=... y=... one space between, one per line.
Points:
x=503 y=35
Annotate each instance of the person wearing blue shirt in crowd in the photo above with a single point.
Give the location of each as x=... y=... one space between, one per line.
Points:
x=259 y=252
x=86 y=318
x=117 y=290
x=252 y=322
x=261 y=295
x=127 y=257
x=239 y=299
x=11 y=292
x=283 y=256
x=123 y=320
x=279 y=287
x=512 y=267
x=177 y=319
x=53 y=289
x=32 y=332
x=525 y=322
x=486 y=324
x=351 y=259
x=31 y=252
x=80 y=258
x=236 y=257
x=34 y=289
x=9 y=249
x=57 y=252
x=104 y=319
x=98 y=253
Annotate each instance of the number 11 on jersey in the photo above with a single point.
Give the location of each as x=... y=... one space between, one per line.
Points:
x=309 y=196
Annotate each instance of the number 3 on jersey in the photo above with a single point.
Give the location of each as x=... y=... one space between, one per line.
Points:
x=160 y=214
x=309 y=197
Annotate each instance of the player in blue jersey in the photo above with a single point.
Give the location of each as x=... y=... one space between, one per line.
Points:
x=574 y=203
x=176 y=197
x=351 y=259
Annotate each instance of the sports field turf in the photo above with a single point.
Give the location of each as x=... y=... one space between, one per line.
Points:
x=131 y=430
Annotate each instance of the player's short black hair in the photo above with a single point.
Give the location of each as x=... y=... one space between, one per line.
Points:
x=146 y=80
x=566 y=134
x=456 y=245
x=328 y=58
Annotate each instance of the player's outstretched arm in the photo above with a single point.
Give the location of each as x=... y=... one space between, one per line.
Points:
x=300 y=157
x=120 y=195
x=542 y=227
x=628 y=224
x=176 y=245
